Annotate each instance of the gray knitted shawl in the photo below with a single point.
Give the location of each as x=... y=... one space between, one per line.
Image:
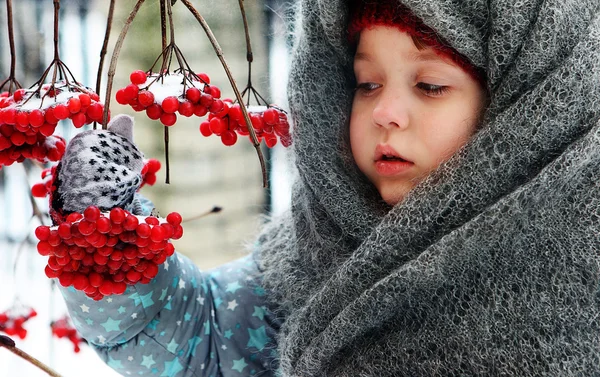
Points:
x=491 y=266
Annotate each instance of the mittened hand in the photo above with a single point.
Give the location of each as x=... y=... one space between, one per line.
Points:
x=101 y=168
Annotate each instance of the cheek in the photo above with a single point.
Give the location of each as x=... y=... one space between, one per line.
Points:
x=447 y=135
x=358 y=122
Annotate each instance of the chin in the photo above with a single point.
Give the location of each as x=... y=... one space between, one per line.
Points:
x=393 y=199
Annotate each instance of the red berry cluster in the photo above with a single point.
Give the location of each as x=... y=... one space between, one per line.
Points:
x=268 y=123
x=166 y=95
x=42 y=189
x=30 y=111
x=12 y=321
x=151 y=167
x=64 y=329
x=101 y=253
x=16 y=146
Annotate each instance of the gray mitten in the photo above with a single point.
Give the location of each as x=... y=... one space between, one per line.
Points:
x=101 y=168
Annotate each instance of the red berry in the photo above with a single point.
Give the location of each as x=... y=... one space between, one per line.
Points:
x=138 y=77
x=228 y=138
x=74 y=105
x=39 y=190
x=174 y=218
x=22 y=118
x=143 y=230
x=50 y=273
x=86 y=227
x=80 y=282
x=72 y=217
x=66 y=279
x=121 y=97
x=117 y=215
x=271 y=116
x=154 y=111
x=130 y=223
x=193 y=94
x=103 y=225
x=95 y=111
x=78 y=120
x=218 y=126
x=151 y=220
x=106 y=288
x=158 y=234
x=42 y=232
x=18 y=95
x=168 y=119
x=47 y=129
x=151 y=271
x=133 y=276
x=215 y=92
x=49 y=116
x=205 y=129
x=206 y=100
x=170 y=104
x=91 y=213
x=145 y=98
x=61 y=112
x=216 y=106
x=186 y=108
x=44 y=248
x=178 y=232
x=153 y=165
x=95 y=279
x=204 y=78
x=64 y=231
x=100 y=259
x=85 y=100
x=200 y=110
x=131 y=91
x=119 y=288
x=36 y=118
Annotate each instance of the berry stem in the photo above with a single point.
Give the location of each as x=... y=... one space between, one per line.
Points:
x=13 y=84
x=167 y=4
x=113 y=62
x=249 y=55
x=56 y=54
x=9 y=344
x=111 y=11
x=219 y=53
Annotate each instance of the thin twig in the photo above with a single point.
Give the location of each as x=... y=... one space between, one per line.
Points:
x=113 y=62
x=215 y=209
x=11 y=39
x=111 y=11
x=249 y=55
x=9 y=344
x=163 y=28
x=219 y=53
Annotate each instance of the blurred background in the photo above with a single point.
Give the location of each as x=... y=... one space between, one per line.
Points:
x=204 y=172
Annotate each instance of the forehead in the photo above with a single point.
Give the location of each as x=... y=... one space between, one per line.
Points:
x=384 y=41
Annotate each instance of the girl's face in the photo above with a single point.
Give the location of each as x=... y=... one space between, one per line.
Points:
x=412 y=110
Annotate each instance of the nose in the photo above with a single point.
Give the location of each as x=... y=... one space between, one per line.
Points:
x=391 y=111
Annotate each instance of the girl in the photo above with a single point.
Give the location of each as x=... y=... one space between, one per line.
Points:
x=390 y=264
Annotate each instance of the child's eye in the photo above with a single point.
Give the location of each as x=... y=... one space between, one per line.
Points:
x=367 y=87
x=432 y=90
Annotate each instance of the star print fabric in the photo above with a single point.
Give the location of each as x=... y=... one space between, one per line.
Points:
x=184 y=323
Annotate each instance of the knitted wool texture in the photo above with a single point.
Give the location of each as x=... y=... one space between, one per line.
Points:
x=102 y=168
x=490 y=266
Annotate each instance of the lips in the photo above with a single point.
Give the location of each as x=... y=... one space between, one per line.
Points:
x=388 y=162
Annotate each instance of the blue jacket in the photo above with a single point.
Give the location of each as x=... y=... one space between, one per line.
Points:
x=184 y=323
